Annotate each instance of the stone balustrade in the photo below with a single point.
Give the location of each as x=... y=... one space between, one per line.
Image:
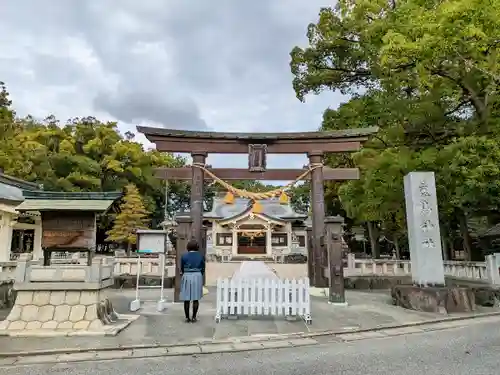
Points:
x=149 y=267
x=388 y=267
x=353 y=267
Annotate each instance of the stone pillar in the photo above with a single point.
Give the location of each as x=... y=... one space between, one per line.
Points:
x=310 y=268
x=234 y=241
x=351 y=261
x=269 y=240
x=203 y=248
x=424 y=238
x=318 y=222
x=183 y=236
x=5 y=237
x=37 y=240
x=335 y=271
x=289 y=236
x=197 y=199
x=493 y=268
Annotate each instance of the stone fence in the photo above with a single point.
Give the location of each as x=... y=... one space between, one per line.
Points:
x=127 y=266
x=120 y=266
x=388 y=267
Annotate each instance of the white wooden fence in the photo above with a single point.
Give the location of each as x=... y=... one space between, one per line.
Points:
x=262 y=296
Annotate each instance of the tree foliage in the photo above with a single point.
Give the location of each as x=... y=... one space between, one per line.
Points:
x=132 y=216
x=427 y=73
x=85 y=154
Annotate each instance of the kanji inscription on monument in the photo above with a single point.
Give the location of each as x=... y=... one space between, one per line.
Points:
x=424 y=236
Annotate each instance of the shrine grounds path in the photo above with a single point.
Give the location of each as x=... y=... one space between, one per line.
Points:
x=366 y=311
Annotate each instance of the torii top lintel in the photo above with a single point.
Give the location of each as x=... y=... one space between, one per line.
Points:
x=188 y=141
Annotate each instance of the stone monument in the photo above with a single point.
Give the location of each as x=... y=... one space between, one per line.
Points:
x=428 y=291
x=424 y=237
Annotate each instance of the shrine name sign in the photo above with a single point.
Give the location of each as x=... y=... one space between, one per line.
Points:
x=75 y=230
x=63 y=239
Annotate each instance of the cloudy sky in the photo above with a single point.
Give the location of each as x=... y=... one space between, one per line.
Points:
x=185 y=64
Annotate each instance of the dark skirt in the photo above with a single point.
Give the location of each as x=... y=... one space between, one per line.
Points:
x=191 y=286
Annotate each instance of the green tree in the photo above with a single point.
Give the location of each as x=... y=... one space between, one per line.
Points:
x=85 y=154
x=300 y=197
x=426 y=73
x=446 y=49
x=132 y=216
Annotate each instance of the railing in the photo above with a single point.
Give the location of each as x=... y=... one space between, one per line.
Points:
x=122 y=266
x=466 y=270
x=263 y=297
x=149 y=267
x=354 y=267
x=383 y=267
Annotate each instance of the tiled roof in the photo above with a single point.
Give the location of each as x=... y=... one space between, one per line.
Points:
x=10 y=193
x=73 y=195
x=11 y=188
x=494 y=231
x=270 y=207
x=65 y=205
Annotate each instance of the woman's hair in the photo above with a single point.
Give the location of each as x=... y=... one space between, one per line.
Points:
x=192 y=246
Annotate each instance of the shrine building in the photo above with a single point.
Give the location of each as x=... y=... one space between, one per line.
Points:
x=243 y=227
x=19 y=232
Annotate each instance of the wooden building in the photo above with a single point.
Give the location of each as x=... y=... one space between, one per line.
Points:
x=236 y=230
x=19 y=232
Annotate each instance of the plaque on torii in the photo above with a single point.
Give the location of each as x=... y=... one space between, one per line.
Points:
x=257 y=157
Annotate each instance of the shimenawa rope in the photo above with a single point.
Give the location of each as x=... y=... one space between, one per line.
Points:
x=257 y=196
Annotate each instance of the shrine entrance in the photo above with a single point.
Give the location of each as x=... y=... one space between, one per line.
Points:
x=252 y=239
x=257 y=145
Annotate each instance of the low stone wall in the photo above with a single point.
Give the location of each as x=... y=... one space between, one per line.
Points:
x=375 y=282
x=130 y=281
x=61 y=300
x=72 y=310
x=7 y=294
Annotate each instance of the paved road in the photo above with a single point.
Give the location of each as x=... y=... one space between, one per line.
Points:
x=460 y=351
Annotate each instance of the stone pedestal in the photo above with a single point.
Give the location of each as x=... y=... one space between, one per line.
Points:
x=443 y=300
x=62 y=300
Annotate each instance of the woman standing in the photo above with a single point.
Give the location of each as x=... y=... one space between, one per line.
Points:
x=192 y=270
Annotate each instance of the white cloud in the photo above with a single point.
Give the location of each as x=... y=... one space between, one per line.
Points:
x=187 y=64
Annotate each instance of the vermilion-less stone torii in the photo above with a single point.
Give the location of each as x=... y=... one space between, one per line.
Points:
x=315 y=144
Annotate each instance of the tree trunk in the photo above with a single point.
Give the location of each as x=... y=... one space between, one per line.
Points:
x=444 y=242
x=464 y=231
x=373 y=233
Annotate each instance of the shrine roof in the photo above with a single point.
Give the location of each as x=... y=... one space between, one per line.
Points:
x=64 y=205
x=207 y=135
x=11 y=188
x=67 y=201
x=72 y=195
x=270 y=207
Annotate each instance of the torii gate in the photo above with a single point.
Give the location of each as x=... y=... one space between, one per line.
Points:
x=257 y=145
